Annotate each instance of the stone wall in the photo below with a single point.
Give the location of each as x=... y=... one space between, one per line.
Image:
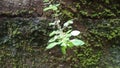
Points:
x=12 y=7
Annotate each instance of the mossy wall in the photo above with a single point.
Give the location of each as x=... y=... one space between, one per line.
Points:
x=97 y=20
x=99 y=24
x=91 y=9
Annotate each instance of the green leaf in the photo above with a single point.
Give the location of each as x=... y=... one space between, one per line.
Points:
x=70 y=21
x=51 y=24
x=70 y=44
x=66 y=24
x=15 y=32
x=107 y=1
x=53 y=39
x=52 y=7
x=63 y=48
x=53 y=33
x=77 y=42
x=69 y=31
x=75 y=33
x=51 y=45
x=45 y=0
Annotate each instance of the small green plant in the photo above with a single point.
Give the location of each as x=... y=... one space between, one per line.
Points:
x=62 y=36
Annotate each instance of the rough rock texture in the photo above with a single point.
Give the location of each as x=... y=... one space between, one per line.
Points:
x=14 y=6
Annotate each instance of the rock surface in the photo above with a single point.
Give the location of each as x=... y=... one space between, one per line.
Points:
x=14 y=6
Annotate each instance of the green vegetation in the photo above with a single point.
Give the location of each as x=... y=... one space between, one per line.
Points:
x=77 y=34
x=62 y=35
x=100 y=31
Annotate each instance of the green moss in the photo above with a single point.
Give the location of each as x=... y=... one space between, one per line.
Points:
x=94 y=9
x=17 y=12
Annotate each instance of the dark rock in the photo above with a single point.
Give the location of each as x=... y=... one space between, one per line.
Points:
x=18 y=7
